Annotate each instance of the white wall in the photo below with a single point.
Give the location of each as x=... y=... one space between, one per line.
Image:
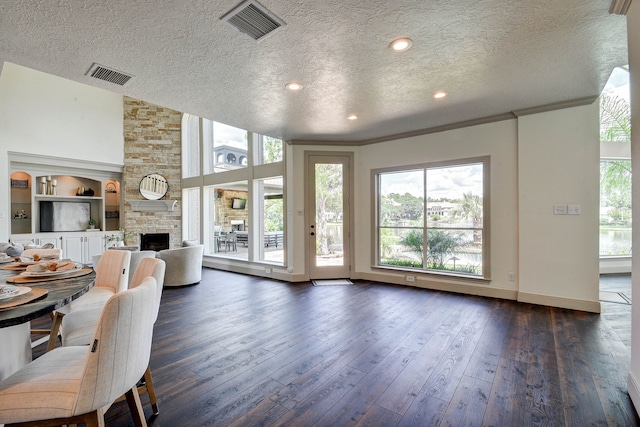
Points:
x=633 y=30
x=47 y=115
x=558 y=161
x=497 y=140
x=537 y=161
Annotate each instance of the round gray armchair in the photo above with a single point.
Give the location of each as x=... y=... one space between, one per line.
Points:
x=184 y=265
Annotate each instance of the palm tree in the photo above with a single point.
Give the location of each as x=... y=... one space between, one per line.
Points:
x=470 y=207
x=615 y=175
x=615 y=119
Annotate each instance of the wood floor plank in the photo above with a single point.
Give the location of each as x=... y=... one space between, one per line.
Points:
x=425 y=411
x=617 y=406
x=469 y=403
x=507 y=402
x=246 y=351
x=315 y=406
x=405 y=387
x=444 y=381
x=377 y=416
x=357 y=401
x=581 y=400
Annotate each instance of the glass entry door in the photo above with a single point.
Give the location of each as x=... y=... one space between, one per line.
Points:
x=328 y=215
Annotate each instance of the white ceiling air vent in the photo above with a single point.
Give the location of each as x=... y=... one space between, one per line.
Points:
x=109 y=75
x=254 y=19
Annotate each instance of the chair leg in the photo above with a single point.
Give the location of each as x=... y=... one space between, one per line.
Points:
x=151 y=391
x=135 y=406
x=55 y=328
x=92 y=419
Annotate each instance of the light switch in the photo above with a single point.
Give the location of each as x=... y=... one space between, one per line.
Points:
x=573 y=209
x=559 y=209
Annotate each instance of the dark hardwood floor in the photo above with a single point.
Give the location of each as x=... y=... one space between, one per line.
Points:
x=237 y=350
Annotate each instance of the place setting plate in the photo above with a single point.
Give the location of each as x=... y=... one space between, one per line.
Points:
x=10 y=291
x=49 y=273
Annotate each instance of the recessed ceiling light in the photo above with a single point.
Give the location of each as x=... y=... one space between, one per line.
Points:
x=439 y=94
x=400 y=45
x=293 y=86
x=352 y=117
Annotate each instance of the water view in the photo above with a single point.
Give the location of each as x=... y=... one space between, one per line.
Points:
x=615 y=242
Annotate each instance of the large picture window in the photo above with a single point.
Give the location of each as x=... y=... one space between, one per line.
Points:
x=432 y=217
x=235 y=204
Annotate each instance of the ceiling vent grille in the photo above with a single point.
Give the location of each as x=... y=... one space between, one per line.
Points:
x=101 y=72
x=253 y=19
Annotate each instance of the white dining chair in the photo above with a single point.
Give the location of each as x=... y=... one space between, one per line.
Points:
x=78 y=326
x=73 y=385
x=112 y=276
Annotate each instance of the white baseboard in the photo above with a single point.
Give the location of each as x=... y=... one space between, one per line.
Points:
x=615 y=265
x=560 y=302
x=443 y=285
x=633 y=388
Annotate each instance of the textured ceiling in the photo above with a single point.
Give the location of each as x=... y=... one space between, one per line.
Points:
x=492 y=57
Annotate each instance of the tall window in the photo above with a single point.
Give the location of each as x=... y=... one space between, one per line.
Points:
x=272 y=221
x=271 y=150
x=615 y=207
x=226 y=147
x=241 y=215
x=615 y=166
x=191 y=146
x=191 y=214
x=443 y=205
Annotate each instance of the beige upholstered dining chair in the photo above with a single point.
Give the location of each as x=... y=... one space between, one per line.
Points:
x=79 y=325
x=72 y=385
x=112 y=276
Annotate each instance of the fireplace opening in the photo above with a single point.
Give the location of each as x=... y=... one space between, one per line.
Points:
x=237 y=225
x=154 y=241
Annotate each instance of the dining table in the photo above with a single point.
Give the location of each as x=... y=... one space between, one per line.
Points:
x=42 y=295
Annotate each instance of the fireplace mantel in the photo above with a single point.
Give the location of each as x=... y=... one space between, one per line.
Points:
x=153 y=205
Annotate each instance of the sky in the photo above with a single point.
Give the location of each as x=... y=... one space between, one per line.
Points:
x=618 y=83
x=449 y=182
x=229 y=135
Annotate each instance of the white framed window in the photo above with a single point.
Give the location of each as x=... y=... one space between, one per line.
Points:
x=444 y=204
x=241 y=214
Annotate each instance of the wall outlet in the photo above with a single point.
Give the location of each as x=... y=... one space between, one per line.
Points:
x=267 y=270
x=559 y=209
x=411 y=278
x=573 y=209
x=511 y=276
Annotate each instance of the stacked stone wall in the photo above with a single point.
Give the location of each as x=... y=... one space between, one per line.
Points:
x=152 y=144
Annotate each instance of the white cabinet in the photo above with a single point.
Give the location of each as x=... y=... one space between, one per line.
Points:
x=80 y=247
x=37 y=239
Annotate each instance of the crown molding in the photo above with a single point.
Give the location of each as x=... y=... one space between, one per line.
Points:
x=588 y=100
x=619 y=7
